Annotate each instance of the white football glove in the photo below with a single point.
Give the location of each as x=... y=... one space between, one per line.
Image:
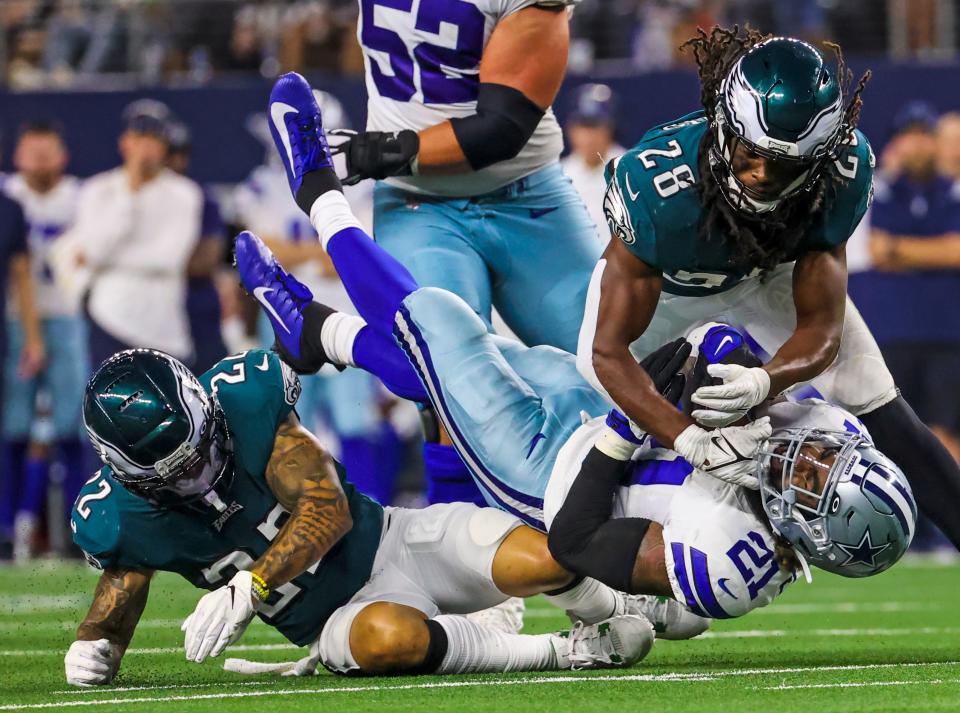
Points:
x=726 y=453
x=92 y=663
x=220 y=618
x=741 y=390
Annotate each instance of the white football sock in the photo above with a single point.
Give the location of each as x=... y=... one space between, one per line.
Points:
x=330 y=214
x=474 y=648
x=590 y=601
x=337 y=335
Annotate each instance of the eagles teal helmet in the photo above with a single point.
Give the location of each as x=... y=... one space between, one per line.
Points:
x=843 y=505
x=151 y=421
x=780 y=100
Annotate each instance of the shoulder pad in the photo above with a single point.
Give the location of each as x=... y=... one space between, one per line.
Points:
x=653 y=185
x=254 y=384
x=95 y=520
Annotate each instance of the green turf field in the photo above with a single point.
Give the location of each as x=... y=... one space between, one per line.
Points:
x=887 y=644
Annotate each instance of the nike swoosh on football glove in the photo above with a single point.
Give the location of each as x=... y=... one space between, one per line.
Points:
x=725 y=453
x=219 y=619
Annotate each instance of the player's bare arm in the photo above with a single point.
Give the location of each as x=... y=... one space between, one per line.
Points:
x=302 y=477
x=533 y=32
x=628 y=298
x=513 y=96
x=105 y=633
x=819 y=295
x=118 y=603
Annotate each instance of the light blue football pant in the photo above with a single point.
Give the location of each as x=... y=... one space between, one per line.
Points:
x=508 y=408
x=528 y=249
x=64 y=376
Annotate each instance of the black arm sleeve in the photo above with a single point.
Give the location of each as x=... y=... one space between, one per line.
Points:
x=504 y=122
x=584 y=539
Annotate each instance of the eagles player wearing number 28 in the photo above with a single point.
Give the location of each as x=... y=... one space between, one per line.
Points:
x=216 y=480
x=740 y=213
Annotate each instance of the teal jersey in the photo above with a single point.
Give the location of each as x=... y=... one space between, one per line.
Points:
x=653 y=206
x=206 y=545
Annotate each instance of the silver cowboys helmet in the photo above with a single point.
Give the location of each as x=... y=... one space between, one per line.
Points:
x=783 y=102
x=844 y=506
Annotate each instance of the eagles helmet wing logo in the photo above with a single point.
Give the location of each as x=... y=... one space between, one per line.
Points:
x=618 y=217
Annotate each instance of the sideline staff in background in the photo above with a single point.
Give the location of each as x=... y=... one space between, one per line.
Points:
x=136 y=229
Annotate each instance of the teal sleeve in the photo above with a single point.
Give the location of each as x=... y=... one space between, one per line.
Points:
x=855 y=163
x=255 y=386
x=95 y=521
x=627 y=212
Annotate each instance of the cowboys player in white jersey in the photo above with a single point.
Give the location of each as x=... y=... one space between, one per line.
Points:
x=474 y=200
x=620 y=504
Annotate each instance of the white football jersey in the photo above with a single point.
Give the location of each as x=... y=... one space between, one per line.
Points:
x=718 y=543
x=48 y=215
x=422 y=60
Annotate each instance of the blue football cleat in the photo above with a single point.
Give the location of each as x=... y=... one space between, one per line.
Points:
x=287 y=302
x=297 y=130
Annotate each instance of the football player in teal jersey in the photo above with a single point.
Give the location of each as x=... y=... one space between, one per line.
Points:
x=740 y=213
x=216 y=480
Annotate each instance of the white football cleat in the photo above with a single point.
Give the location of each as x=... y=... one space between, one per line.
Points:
x=617 y=642
x=670 y=619
x=506 y=617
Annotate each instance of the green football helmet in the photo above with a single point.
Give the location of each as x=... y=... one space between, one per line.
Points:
x=783 y=102
x=150 y=420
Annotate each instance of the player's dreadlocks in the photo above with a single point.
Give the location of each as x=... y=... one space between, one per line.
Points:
x=768 y=242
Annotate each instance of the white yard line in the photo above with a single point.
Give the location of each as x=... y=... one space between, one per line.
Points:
x=11 y=604
x=702 y=676
x=854 y=684
x=353 y=689
x=778 y=633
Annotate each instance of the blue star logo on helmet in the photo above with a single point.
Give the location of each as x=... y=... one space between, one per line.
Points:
x=863 y=553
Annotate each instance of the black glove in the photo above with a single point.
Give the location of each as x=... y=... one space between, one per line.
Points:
x=376 y=154
x=664 y=367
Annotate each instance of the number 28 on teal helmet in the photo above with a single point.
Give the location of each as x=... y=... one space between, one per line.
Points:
x=783 y=101
x=150 y=420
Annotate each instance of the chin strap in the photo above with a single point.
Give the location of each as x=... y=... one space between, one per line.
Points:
x=804 y=567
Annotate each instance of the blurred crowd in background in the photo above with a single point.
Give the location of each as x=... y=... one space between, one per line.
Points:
x=139 y=255
x=57 y=43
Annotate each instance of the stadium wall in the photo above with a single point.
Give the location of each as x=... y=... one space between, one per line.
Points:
x=225 y=152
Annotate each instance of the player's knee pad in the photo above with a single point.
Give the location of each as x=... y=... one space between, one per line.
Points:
x=333 y=645
x=479 y=541
x=441 y=315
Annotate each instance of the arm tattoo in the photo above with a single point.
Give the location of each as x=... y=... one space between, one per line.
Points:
x=118 y=602
x=304 y=481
